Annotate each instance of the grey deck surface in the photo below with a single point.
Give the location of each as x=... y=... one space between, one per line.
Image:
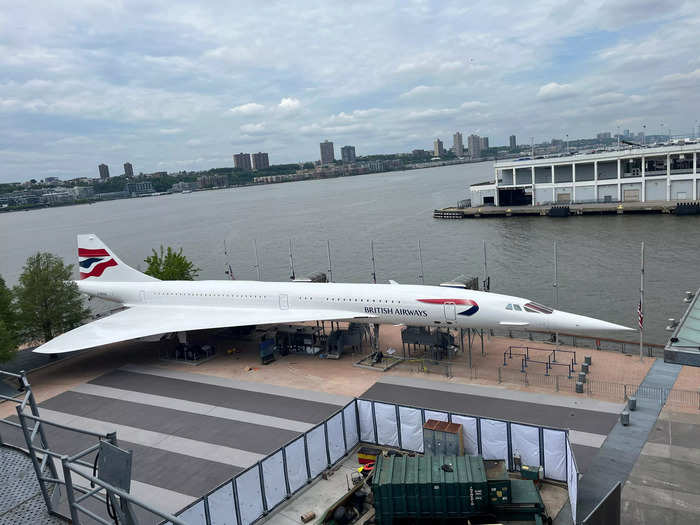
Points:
x=180 y=452
x=208 y=429
x=267 y=404
x=483 y=406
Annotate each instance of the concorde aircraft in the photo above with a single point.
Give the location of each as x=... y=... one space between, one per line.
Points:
x=159 y=307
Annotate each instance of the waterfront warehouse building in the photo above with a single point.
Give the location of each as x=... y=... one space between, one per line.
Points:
x=641 y=174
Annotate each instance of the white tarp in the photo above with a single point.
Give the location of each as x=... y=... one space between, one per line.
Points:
x=351 y=436
x=572 y=480
x=525 y=440
x=366 y=423
x=439 y=416
x=554 y=454
x=494 y=439
x=249 y=496
x=336 y=442
x=222 y=508
x=273 y=479
x=387 y=431
x=469 y=434
x=411 y=429
x=296 y=464
x=316 y=445
x=195 y=515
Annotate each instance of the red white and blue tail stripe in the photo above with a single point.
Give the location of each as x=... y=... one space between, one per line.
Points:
x=473 y=306
x=93 y=263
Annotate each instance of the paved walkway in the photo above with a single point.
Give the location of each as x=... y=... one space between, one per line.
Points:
x=616 y=458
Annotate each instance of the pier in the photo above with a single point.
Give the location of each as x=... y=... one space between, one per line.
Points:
x=565 y=210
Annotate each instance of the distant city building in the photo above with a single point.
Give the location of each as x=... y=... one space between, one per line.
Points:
x=241 y=161
x=212 y=181
x=513 y=142
x=626 y=133
x=157 y=174
x=128 y=169
x=474 y=146
x=421 y=153
x=458 y=144
x=327 y=152
x=104 y=171
x=347 y=153
x=139 y=188
x=184 y=186
x=603 y=136
x=260 y=161
x=438 y=148
x=484 y=143
x=57 y=197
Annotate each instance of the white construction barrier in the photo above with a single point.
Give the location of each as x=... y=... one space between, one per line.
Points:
x=554 y=454
x=494 y=439
x=470 y=435
x=525 y=440
x=571 y=479
x=437 y=416
x=316 y=448
x=250 y=502
x=364 y=409
x=296 y=464
x=195 y=515
x=274 y=479
x=222 y=506
x=411 y=429
x=352 y=436
x=386 y=424
x=336 y=440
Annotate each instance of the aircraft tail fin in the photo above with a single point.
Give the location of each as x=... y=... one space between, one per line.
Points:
x=97 y=262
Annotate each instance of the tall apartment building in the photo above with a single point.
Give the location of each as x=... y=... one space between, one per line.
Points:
x=474 y=145
x=260 y=161
x=438 y=148
x=242 y=161
x=347 y=153
x=484 y=143
x=513 y=142
x=327 y=152
x=458 y=144
x=104 y=171
x=128 y=169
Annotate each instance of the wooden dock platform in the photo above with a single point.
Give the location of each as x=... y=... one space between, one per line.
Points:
x=565 y=210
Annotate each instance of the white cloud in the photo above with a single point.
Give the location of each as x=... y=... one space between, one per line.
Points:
x=289 y=103
x=170 y=131
x=253 y=128
x=554 y=91
x=250 y=108
x=418 y=91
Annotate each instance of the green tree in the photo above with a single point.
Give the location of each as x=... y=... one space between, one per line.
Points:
x=8 y=331
x=48 y=301
x=170 y=266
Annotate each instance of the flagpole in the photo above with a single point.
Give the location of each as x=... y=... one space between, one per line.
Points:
x=641 y=307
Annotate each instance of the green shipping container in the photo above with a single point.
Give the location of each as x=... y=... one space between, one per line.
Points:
x=428 y=487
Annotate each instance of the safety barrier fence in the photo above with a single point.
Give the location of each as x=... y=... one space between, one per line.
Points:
x=259 y=489
x=557 y=382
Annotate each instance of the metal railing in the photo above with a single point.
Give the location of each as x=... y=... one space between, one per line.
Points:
x=43 y=460
x=556 y=382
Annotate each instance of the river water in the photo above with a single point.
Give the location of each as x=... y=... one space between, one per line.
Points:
x=598 y=256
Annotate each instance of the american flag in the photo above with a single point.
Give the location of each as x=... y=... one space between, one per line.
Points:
x=640 y=314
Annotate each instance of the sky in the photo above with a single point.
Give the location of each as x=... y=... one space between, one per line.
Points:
x=171 y=85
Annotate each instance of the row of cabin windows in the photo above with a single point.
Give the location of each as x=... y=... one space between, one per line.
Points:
x=305 y=298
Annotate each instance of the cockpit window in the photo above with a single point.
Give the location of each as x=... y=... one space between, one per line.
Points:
x=509 y=307
x=517 y=308
x=538 y=308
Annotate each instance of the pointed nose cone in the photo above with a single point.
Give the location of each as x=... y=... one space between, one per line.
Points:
x=582 y=324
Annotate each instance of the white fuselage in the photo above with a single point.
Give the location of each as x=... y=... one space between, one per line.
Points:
x=382 y=303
